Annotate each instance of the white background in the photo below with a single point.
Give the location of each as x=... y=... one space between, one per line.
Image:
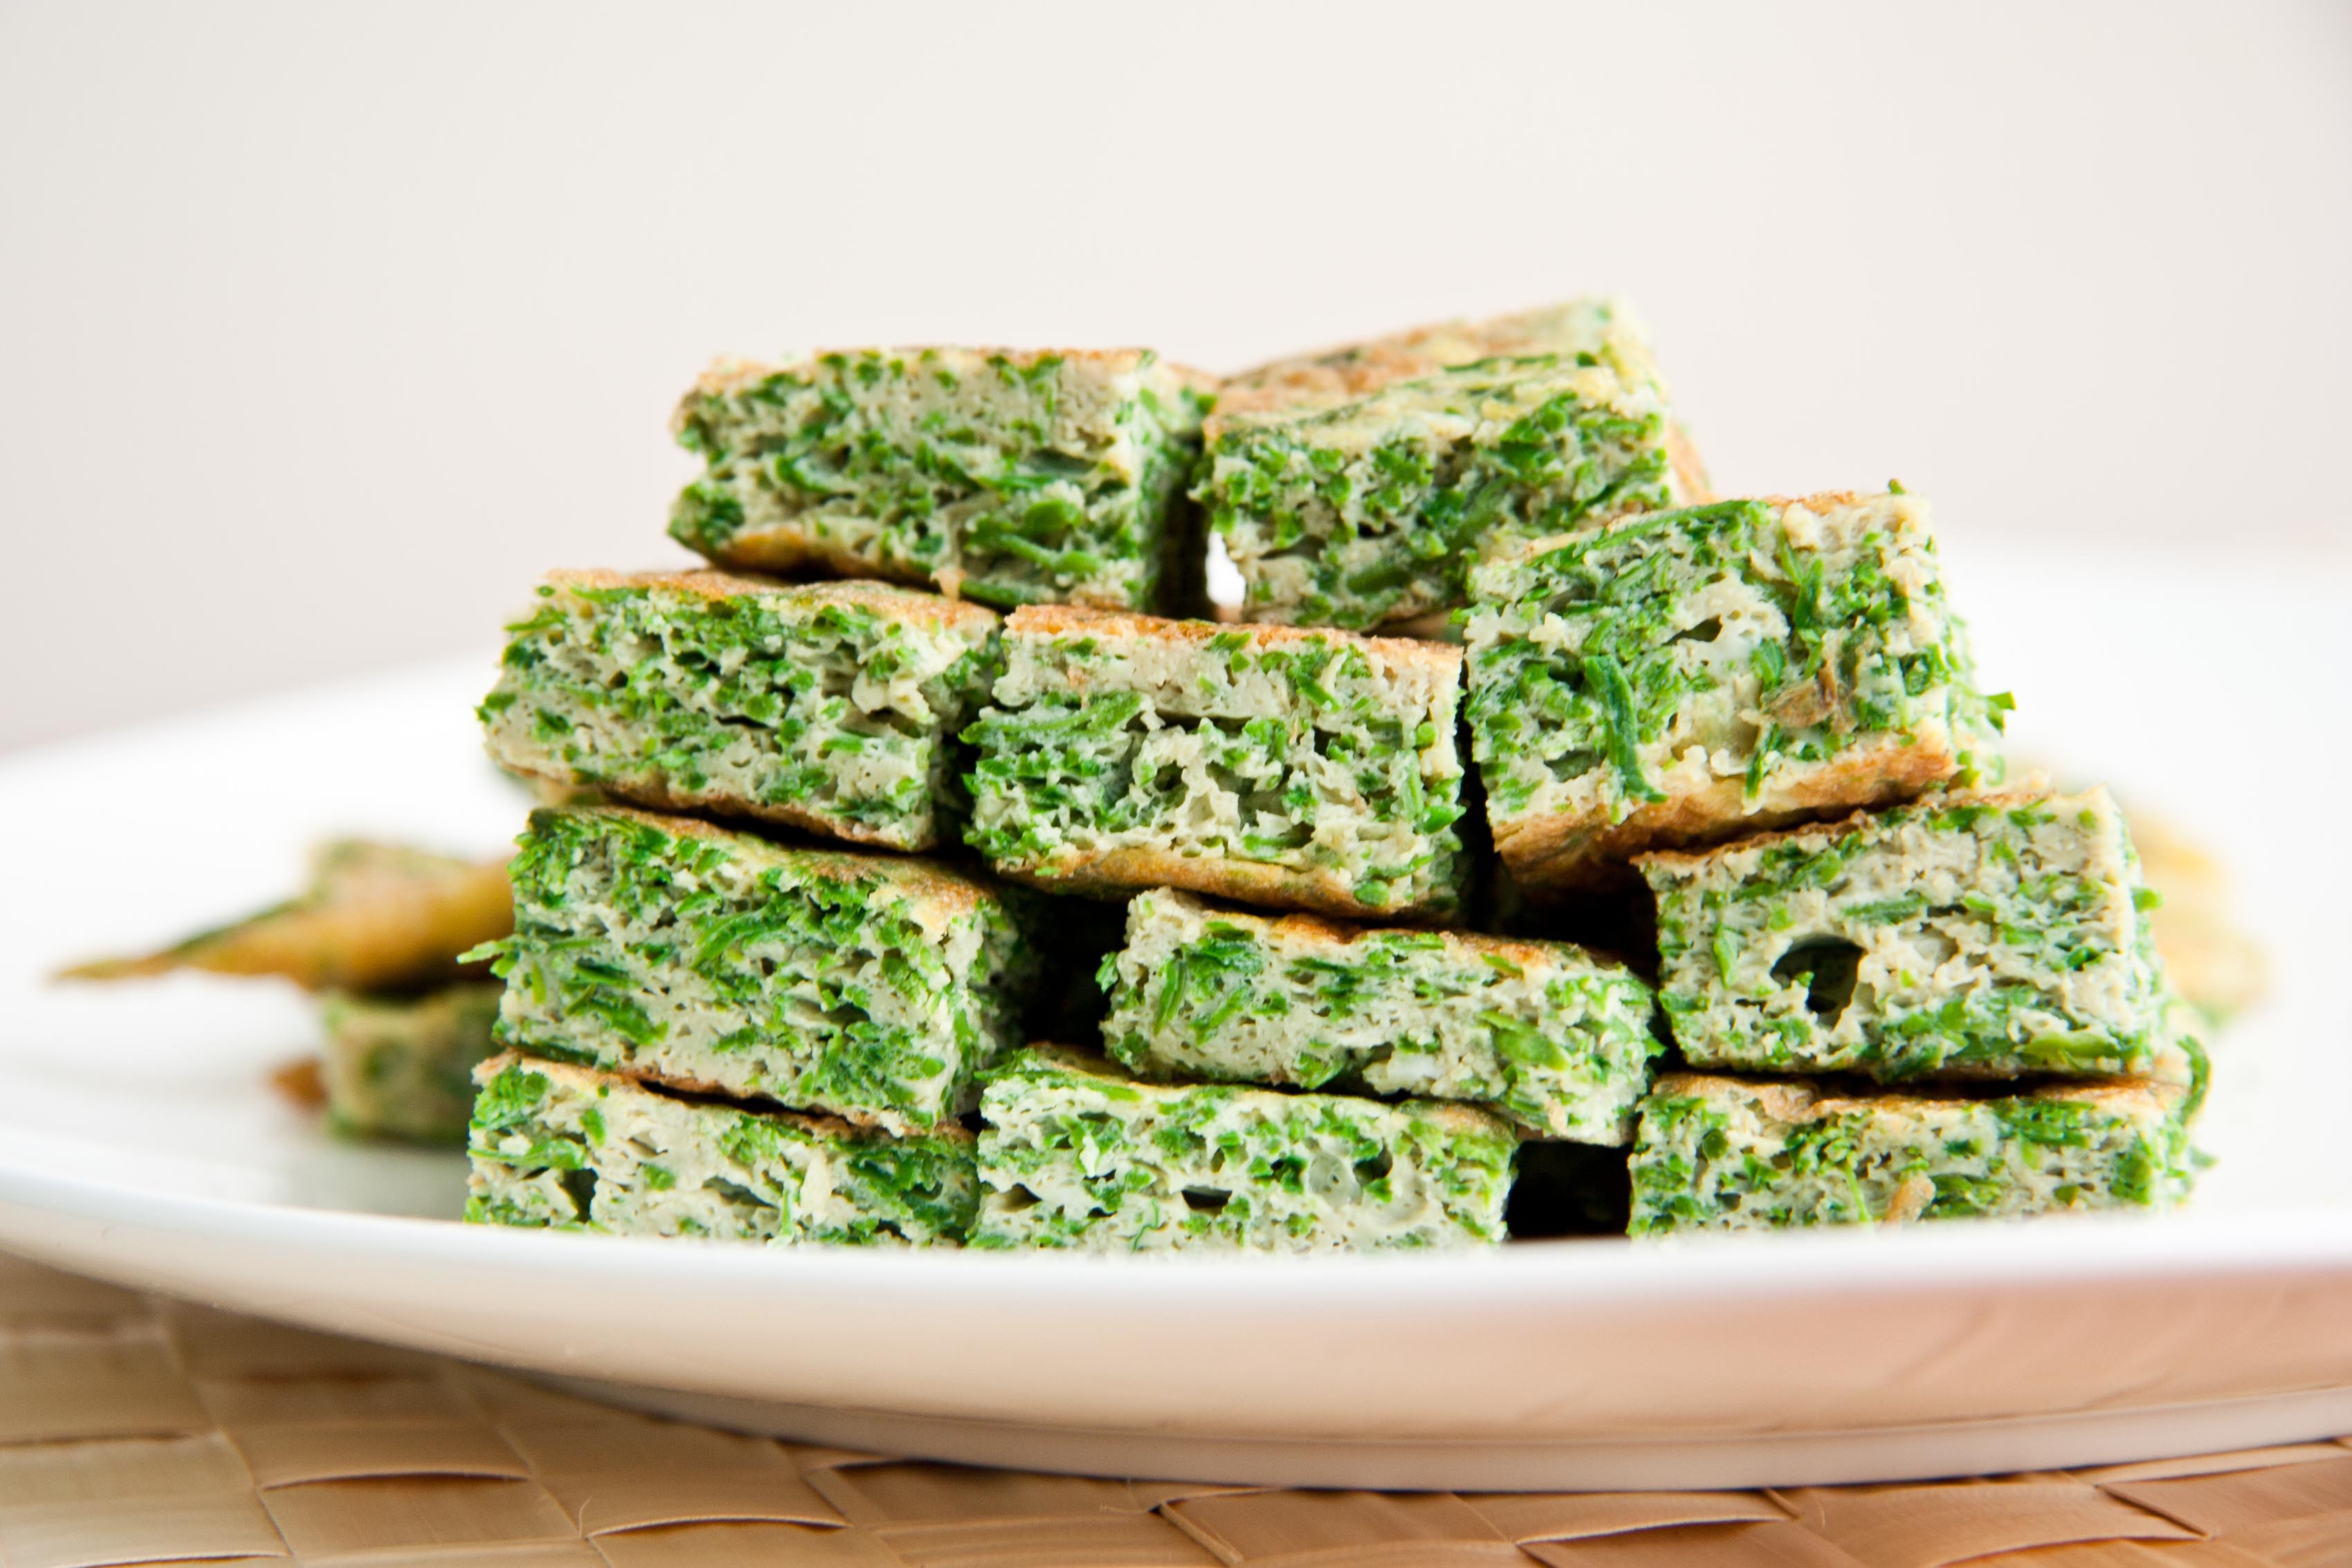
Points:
x=324 y=329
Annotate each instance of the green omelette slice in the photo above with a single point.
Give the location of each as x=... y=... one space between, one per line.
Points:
x=829 y=707
x=1008 y=476
x=401 y=1066
x=1276 y=765
x=1075 y=1154
x=1541 y=1032
x=661 y=948
x=569 y=1148
x=1977 y=937
x=1722 y=1153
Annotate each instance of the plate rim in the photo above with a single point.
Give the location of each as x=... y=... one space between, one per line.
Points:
x=2055 y=1250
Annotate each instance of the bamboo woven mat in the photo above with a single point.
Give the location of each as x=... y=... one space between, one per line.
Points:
x=138 y=1430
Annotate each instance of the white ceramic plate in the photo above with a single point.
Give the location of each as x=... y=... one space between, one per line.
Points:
x=138 y=1141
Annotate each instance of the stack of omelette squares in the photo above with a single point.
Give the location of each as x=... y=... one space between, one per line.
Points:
x=925 y=871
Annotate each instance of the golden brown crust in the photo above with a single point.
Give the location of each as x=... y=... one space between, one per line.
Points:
x=1821 y=500
x=1194 y=377
x=302 y=1081
x=1785 y=1100
x=1128 y=870
x=2121 y=1094
x=1583 y=851
x=589 y=1079
x=1455 y=1117
x=1317 y=928
x=1782 y=1100
x=784 y=547
x=887 y=599
x=373 y=922
x=1452 y=1116
x=1829 y=828
x=781 y=548
x=703 y=583
x=729 y=373
x=1346 y=372
x=1691 y=485
x=922 y=880
x=1342 y=375
x=1053 y=620
x=656 y=795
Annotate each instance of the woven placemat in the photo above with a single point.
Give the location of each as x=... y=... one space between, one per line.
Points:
x=138 y=1430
